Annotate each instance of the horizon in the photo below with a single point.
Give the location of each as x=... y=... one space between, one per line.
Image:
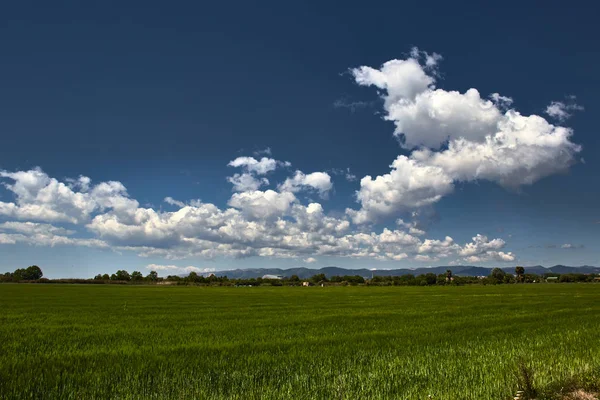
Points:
x=192 y=138
x=162 y=273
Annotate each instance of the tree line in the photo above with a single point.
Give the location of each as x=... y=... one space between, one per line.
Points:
x=32 y=273
x=496 y=277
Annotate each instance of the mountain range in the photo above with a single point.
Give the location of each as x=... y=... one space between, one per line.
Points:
x=460 y=270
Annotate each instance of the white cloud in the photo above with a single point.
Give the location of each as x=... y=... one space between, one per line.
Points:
x=259 y=167
x=409 y=185
x=457 y=136
x=425 y=258
x=571 y=246
x=173 y=202
x=482 y=249
x=561 y=110
x=481 y=244
x=310 y=260
x=41 y=198
x=319 y=181
x=265 y=151
x=31 y=228
x=262 y=205
x=246 y=182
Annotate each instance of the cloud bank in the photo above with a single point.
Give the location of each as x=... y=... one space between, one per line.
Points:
x=447 y=137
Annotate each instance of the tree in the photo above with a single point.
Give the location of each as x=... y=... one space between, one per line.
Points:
x=193 y=277
x=136 y=276
x=497 y=275
x=33 y=273
x=519 y=272
x=123 y=275
x=105 y=277
x=19 y=275
x=318 y=278
x=152 y=276
x=98 y=277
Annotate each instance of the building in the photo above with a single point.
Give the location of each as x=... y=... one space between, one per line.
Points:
x=305 y=283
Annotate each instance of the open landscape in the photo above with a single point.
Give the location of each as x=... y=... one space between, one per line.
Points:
x=132 y=342
x=299 y=200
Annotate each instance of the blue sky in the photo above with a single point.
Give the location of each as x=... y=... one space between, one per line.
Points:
x=376 y=127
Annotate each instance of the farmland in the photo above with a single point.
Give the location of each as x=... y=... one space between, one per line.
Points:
x=130 y=342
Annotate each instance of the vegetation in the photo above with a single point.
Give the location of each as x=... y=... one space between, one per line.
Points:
x=496 y=277
x=174 y=342
x=31 y=273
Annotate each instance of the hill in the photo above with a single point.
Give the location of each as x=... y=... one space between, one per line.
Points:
x=460 y=270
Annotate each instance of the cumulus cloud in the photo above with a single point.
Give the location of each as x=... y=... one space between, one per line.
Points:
x=257 y=223
x=41 y=198
x=409 y=185
x=259 y=167
x=482 y=249
x=249 y=180
x=310 y=260
x=246 y=182
x=319 y=181
x=455 y=137
x=262 y=205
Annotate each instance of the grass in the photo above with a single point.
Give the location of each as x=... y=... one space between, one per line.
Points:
x=133 y=342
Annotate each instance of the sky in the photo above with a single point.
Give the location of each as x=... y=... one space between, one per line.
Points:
x=205 y=136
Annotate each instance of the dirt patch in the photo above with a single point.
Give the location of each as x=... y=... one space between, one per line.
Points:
x=581 y=395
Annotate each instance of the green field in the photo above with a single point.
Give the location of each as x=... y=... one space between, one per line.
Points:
x=126 y=342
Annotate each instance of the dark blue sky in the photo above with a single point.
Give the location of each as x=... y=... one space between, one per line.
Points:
x=161 y=96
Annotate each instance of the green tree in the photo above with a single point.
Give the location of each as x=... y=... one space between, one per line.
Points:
x=318 y=278
x=19 y=274
x=123 y=275
x=105 y=277
x=152 y=276
x=193 y=277
x=33 y=273
x=497 y=275
x=519 y=272
x=137 y=276
x=98 y=277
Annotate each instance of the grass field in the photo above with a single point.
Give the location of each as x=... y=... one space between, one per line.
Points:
x=131 y=342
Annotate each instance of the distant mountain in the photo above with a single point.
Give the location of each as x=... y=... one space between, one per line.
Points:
x=459 y=270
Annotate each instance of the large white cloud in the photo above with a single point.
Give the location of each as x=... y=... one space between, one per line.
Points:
x=258 y=223
x=41 y=198
x=410 y=184
x=456 y=137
